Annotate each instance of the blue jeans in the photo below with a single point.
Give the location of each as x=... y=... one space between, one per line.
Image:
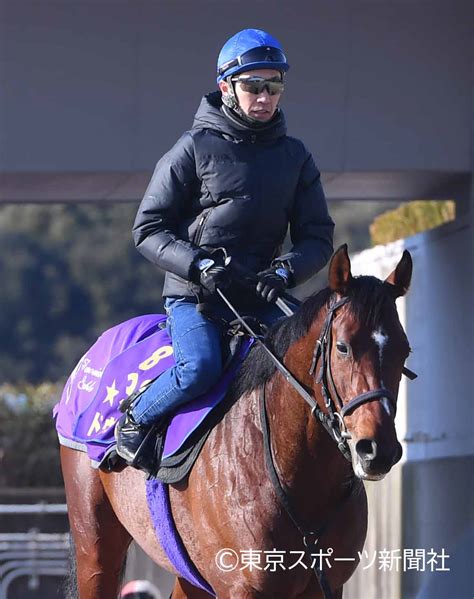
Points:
x=197 y=351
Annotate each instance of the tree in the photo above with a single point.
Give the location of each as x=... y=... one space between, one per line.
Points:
x=68 y=273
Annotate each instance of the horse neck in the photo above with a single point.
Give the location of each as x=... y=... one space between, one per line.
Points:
x=307 y=459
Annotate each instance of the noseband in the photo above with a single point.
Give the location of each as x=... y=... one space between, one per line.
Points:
x=333 y=419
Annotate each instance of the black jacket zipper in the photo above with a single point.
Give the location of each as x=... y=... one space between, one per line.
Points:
x=200 y=227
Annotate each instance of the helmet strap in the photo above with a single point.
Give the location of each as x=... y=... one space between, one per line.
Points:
x=231 y=101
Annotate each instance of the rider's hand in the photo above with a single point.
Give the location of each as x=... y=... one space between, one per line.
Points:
x=212 y=275
x=272 y=282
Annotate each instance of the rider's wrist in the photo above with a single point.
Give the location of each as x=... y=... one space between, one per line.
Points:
x=205 y=264
x=283 y=273
x=198 y=267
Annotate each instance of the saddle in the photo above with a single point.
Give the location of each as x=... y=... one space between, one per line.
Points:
x=123 y=361
x=172 y=466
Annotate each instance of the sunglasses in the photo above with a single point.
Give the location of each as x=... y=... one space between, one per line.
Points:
x=256 y=85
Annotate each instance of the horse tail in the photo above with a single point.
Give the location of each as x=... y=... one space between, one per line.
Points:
x=69 y=587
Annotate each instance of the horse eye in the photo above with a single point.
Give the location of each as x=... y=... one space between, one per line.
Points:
x=342 y=348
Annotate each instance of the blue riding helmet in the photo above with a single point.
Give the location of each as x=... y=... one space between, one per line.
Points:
x=250 y=49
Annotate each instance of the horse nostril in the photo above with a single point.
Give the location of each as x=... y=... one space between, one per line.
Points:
x=366 y=449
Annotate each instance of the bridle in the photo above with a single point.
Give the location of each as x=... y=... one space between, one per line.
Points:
x=333 y=419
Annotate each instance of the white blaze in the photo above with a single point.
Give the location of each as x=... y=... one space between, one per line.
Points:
x=381 y=339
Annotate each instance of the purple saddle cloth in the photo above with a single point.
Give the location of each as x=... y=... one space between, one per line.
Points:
x=123 y=360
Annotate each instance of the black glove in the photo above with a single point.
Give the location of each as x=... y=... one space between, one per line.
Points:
x=213 y=275
x=272 y=282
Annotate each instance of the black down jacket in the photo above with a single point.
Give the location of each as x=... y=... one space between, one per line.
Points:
x=227 y=185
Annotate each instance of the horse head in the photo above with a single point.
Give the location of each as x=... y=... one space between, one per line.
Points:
x=365 y=350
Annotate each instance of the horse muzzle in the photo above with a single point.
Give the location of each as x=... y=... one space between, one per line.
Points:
x=372 y=462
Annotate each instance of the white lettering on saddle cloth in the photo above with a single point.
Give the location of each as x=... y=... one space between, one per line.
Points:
x=93 y=372
x=122 y=386
x=85 y=385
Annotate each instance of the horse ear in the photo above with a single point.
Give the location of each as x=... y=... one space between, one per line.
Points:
x=399 y=280
x=340 y=270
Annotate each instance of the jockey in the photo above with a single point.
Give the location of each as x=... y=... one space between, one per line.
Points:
x=230 y=187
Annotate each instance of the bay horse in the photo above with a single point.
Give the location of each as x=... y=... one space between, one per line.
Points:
x=346 y=348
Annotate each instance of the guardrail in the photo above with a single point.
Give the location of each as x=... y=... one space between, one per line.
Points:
x=33 y=554
x=34 y=508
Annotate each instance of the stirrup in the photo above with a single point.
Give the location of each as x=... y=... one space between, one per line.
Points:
x=147 y=455
x=131 y=439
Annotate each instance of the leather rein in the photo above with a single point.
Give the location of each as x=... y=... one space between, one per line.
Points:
x=333 y=419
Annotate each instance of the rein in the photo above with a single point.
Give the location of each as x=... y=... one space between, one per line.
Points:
x=332 y=420
x=310 y=537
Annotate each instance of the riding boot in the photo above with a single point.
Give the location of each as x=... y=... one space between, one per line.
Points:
x=133 y=440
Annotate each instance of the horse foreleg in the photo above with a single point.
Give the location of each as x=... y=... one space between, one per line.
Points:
x=101 y=542
x=184 y=590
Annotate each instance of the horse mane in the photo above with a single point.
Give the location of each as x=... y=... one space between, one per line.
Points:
x=369 y=301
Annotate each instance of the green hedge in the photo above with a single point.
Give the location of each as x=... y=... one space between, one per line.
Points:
x=411 y=218
x=29 y=450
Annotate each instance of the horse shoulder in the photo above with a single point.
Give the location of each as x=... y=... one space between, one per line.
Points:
x=225 y=500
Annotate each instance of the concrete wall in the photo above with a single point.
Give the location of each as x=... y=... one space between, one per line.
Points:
x=427 y=501
x=109 y=85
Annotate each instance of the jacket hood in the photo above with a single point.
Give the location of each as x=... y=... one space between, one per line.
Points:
x=211 y=114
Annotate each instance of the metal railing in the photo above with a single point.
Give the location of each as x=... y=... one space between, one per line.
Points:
x=32 y=554
x=34 y=508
